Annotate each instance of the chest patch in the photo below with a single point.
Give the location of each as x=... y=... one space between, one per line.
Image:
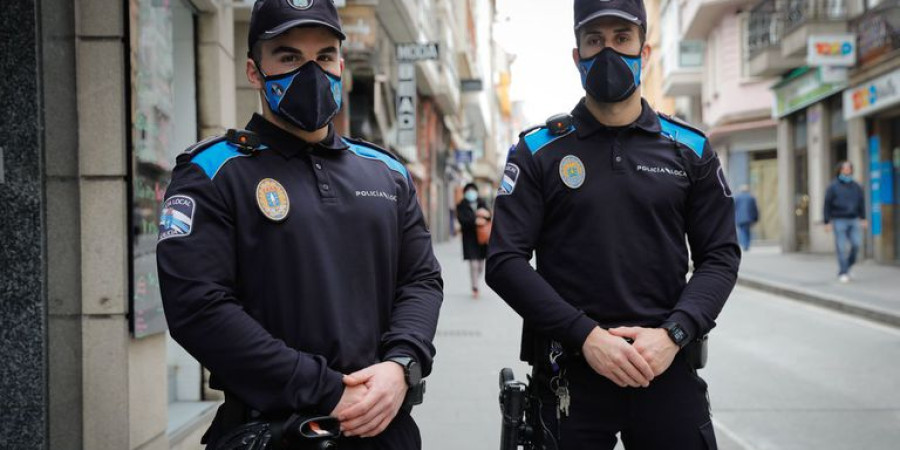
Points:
x=571 y=171
x=272 y=200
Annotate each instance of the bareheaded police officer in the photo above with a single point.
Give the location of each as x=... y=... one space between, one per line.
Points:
x=609 y=199
x=294 y=263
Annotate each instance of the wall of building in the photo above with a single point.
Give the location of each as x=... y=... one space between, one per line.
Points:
x=728 y=94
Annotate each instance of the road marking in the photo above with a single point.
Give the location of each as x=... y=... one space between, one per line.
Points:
x=732 y=436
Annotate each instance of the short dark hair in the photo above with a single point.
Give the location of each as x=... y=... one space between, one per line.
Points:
x=840 y=166
x=470 y=186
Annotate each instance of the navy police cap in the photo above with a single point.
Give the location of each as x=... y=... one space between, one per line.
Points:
x=271 y=18
x=630 y=10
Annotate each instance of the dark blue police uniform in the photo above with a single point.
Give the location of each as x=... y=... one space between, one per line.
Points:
x=606 y=211
x=286 y=265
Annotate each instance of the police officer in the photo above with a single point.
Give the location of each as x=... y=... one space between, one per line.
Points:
x=295 y=263
x=605 y=198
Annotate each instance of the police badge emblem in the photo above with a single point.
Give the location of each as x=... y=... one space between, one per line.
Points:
x=273 y=200
x=571 y=171
x=300 y=4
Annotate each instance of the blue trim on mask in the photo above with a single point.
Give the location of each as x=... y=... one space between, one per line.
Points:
x=585 y=65
x=542 y=137
x=633 y=63
x=280 y=84
x=690 y=138
x=371 y=153
x=336 y=88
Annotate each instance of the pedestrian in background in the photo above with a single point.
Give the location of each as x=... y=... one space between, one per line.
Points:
x=845 y=213
x=746 y=215
x=473 y=213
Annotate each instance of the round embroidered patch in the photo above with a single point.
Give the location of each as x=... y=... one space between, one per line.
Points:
x=272 y=200
x=571 y=171
x=300 y=4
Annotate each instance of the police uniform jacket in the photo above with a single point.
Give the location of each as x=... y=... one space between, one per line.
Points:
x=285 y=266
x=609 y=213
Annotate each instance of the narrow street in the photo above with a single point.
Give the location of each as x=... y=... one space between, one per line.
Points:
x=782 y=374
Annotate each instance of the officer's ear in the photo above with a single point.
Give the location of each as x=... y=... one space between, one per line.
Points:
x=646 y=50
x=576 y=57
x=253 y=76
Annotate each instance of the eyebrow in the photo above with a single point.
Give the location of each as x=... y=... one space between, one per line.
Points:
x=616 y=30
x=295 y=51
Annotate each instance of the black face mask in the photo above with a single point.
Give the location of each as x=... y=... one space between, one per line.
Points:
x=610 y=76
x=307 y=97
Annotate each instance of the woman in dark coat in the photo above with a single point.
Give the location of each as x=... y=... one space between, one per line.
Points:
x=471 y=212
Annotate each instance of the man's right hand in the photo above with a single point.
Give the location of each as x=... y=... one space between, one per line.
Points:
x=616 y=359
x=828 y=228
x=351 y=396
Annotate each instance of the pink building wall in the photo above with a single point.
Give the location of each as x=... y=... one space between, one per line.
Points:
x=727 y=95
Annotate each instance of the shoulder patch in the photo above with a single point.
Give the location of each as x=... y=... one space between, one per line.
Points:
x=680 y=132
x=212 y=157
x=371 y=151
x=177 y=217
x=542 y=137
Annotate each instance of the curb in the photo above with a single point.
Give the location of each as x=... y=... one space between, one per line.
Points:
x=832 y=302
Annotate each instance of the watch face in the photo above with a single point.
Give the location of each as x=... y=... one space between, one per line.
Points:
x=678 y=333
x=414 y=373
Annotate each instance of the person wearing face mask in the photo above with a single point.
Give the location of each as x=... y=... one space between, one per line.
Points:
x=295 y=264
x=473 y=212
x=608 y=199
x=845 y=214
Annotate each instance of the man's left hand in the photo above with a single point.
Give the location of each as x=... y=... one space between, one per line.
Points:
x=654 y=344
x=864 y=224
x=387 y=389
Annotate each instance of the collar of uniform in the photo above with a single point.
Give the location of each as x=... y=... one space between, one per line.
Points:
x=289 y=145
x=586 y=124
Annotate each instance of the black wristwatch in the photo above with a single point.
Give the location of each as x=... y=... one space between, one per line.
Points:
x=676 y=333
x=412 y=371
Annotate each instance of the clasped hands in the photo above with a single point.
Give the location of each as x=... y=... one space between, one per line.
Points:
x=629 y=365
x=371 y=399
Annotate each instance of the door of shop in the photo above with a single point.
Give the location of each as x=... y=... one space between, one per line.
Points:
x=764 y=186
x=801 y=201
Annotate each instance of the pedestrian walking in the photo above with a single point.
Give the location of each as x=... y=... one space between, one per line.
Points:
x=473 y=214
x=295 y=263
x=746 y=214
x=845 y=214
x=605 y=198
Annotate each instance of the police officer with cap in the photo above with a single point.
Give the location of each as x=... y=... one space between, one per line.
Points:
x=295 y=263
x=609 y=198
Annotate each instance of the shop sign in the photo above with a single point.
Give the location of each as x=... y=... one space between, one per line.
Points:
x=360 y=25
x=407 y=55
x=872 y=96
x=831 y=50
x=464 y=157
x=803 y=91
x=875 y=183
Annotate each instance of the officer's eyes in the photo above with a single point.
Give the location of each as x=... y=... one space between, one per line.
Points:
x=326 y=58
x=288 y=59
x=621 y=39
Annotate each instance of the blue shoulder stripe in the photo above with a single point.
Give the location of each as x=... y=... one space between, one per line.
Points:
x=212 y=158
x=541 y=138
x=371 y=153
x=692 y=139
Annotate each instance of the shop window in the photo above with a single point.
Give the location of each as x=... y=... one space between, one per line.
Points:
x=164 y=123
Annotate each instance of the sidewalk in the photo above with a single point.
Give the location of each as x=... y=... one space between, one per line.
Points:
x=874 y=292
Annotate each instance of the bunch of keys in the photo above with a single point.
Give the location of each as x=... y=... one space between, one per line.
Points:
x=563 y=399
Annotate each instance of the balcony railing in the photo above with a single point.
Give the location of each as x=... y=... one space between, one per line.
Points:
x=877 y=31
x=799 y=12
x=764 y=27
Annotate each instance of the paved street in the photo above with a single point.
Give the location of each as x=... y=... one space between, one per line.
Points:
x=782 y=374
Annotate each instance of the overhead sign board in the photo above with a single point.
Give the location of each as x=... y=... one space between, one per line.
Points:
x=872 y=96
x=417 y=52
x=831 y=50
